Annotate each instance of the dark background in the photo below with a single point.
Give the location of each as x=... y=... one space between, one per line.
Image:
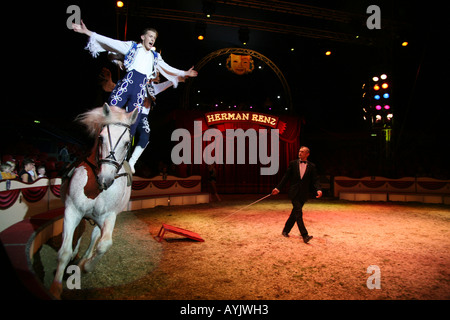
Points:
x=51 y=78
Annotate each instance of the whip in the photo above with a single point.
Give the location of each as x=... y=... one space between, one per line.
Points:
x=247 y=206
x=193 y=235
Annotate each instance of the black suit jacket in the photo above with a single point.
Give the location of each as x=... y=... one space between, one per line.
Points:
x=299 y=188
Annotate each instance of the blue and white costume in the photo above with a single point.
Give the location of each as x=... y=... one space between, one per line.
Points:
x=141 y=66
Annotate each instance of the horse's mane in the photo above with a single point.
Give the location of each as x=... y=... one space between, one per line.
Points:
x=95 y=119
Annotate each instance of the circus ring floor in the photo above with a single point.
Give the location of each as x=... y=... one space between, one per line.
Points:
x=244 y=256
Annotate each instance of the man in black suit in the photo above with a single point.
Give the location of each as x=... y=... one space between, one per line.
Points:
x=302 y=175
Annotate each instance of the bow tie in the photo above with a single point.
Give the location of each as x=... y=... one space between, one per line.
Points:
x=302 y=161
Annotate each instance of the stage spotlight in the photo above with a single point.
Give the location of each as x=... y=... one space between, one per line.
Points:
x=328 y=53
x=200 y=30
x=244 y=36
x=119 y=4
x=377 y=97
x=209 y=7
x=375 y=79
x=383 y=77
x=386 y=95
x=405 y=43
x=385 y=85
x=387 y=107
x=376 y=87
x=378 y=107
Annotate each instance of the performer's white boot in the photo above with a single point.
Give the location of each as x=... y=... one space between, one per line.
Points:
x=135 y=156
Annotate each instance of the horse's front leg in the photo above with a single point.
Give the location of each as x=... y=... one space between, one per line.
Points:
x=103 y=244
x=96 y=232
x=71 y=220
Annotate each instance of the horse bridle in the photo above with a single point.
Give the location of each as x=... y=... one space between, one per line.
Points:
x=111 y=158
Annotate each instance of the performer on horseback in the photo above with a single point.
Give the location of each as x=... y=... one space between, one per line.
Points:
x=142 y=65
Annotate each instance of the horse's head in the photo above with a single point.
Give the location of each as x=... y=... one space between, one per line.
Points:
x=113 y=142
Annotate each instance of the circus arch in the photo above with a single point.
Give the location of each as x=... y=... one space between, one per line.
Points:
x=240 y=51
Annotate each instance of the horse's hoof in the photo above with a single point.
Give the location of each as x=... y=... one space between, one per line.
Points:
x=84 y=266
x=81 y=265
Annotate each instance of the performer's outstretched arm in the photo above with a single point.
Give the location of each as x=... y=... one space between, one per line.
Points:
x=98 y=43
x=173 y=74
x=81 y=28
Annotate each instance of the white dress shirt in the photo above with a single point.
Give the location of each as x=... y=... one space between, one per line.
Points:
x=143 y=61
x=302 y=166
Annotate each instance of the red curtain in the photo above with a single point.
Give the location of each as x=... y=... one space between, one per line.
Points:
x=432 y=185
x=347 y=183
x=401 y=184
x=34 y=194
x=8 y=198
x=56 y=190
x=373 y=184
x=139 y=185
x=188 y=183
x=164 y=184
x=244 y=178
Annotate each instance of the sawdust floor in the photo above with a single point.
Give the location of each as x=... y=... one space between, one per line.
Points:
x=245 y=257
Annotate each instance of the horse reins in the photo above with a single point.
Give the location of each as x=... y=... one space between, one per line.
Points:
x=111 y=158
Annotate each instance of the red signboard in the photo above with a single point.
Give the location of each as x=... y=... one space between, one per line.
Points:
x=219 y=117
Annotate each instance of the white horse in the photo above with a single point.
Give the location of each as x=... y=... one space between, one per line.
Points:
x=99 y=188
